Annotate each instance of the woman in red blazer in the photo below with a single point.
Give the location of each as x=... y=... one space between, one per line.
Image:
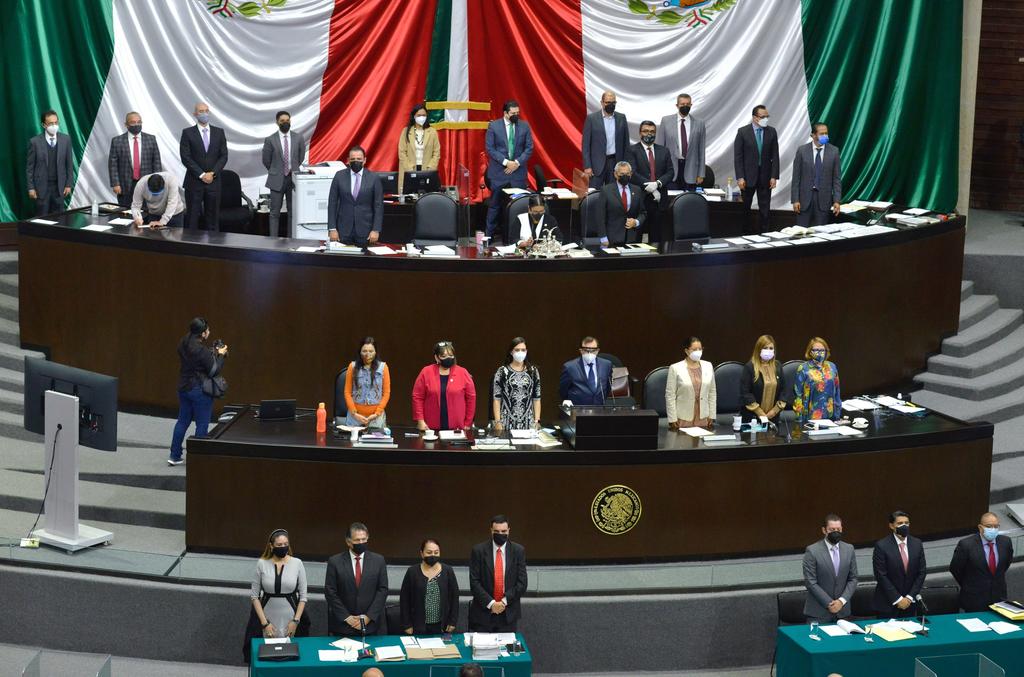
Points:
x=443 y=397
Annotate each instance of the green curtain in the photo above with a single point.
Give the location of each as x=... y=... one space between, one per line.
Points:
x=56 y=55
x=884 y=75
x=440 y=49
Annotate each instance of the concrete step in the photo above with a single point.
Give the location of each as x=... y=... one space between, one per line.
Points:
x=966 y=289
x=12 y=403
x=13 y=358
x=984 y=387
x=9 y=307
x=995 y=327
x=10 y=333
x=9 y=261
x=11 y=380
x=976 y=308
x=9 y=283
x=983 y=361
x=993 y=410
x=1007 y=481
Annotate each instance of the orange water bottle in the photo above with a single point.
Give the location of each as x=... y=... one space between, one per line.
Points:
x=321 y=419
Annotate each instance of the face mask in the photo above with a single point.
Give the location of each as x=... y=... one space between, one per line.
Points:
x=513 y=119
x=284 y=127
x=823 y=139
x=500 y=539
x=421 y=120
x=536 y=217
x=519 y=356
x=767 y=354
x=684 y=110
x=52 y=130
x=696 y=354
x=203 y=118
x=359 y=548
x=818 y=355
x=447 y=362
x=623 y=180
x=431 y=560
x=648 y=139
x=134 y=130
x=589 y=358
x=903 y=530
x=157 y=193
x=609 y=108
x=355 y=165
x=990 y=533
x=280 y=551
x=762 y=122
x=834 y=537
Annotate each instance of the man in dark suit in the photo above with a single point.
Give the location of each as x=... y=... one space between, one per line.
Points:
x=817 y=187
x=605 y=141
x=586 y=379
x=48 y=165
x=756 y=159
x=356 y=587
x=133 y=155
x=624 y=211
x=283 y=152
x=204 y=152
x=497 y=579
x=509 y=144
x=830 y=574
x=355 y=205
x=899 y=566
x=652 y=171
x=979 y=565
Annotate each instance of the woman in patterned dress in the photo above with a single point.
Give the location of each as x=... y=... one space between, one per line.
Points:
x=817 y=385
x=515 y=390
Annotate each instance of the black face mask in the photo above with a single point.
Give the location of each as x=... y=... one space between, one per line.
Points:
x=623 y=180
x=536 y=217
x=499 y=539
x=648 y=139
x=431 y=560
x=359 y=548
x=609 y=108
x=834 y=537
x=356 y=166
x=513 y=119
x=684 y=110
x=280 y=551
x=134 y=129
x=903 y=530
x=447 y=362
x=284 y=127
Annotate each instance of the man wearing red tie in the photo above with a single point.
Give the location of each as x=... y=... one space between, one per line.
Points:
x=132 y=156
x=899 y=566
x=356 y=587
x=497 y=579
x=979 y=565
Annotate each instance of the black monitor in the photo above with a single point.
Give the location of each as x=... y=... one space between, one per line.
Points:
x=97 y=400
x=388 y=182
x=422 y=182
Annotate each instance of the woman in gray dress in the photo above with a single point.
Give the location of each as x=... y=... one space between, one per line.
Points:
x=278 y=593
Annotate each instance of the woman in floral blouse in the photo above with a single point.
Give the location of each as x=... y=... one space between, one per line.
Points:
x=817 y=385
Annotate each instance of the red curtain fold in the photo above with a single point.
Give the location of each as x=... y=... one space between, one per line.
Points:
x=462 y=147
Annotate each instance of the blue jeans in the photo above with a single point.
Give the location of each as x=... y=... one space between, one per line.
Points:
x=193 y=405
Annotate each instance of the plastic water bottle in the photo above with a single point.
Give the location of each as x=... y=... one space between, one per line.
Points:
x=729 y=190
x=321 y=418
x=95 y=208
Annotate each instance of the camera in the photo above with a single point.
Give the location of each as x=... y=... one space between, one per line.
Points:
x=218 y=344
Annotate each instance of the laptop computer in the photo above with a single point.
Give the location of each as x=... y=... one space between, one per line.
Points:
x=288 y=651
x=276 y=410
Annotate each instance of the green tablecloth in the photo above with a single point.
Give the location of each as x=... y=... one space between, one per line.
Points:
x=309 y=661
x=800 y=656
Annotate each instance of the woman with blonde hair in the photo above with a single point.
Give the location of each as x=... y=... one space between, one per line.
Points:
x=816 y=392
x=763 y=390
x=419 y=147
x=278 y=594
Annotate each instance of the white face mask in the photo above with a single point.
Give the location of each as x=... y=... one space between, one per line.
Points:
x=52 y=129
x=519 y=356
x=421 y=120
x=589 y=358
x=696 y=354
x=767 y=354
x=763 y=122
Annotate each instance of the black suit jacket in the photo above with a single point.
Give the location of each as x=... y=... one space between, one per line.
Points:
x=642 y=166
x=752 y=391
x=354 y=219
x=744 y=152
x=198 y=160
x=481 y=582
x=891 y=581
x=969 y=566
x=344 y=599
x=614 y=225
x=411 y=601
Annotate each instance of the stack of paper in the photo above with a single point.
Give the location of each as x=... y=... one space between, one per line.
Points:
x=974 y=624
x=842 y=628
x=890 y=632
x=721 y=439
x=389 y=654
x=1012 y=610
x=439 y=250
x=381 y=250
x=697 y=432
x=330 y=655
x=776 y=235
x=453 y=434
x=44 y=222
x=97 y=227
x=347 y=644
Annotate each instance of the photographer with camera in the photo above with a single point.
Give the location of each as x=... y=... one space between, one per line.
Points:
x=199 y=383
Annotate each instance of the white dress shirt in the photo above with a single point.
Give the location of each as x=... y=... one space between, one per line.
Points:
x=609 y=133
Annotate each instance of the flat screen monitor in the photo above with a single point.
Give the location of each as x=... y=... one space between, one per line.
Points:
x=422 y=182
x=97 y=400
x=388 y=182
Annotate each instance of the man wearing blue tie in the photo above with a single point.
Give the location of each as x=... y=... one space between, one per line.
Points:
x=817 y=186
x=509 y=144
x=586 y=380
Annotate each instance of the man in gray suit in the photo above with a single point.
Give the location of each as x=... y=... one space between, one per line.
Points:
x=684 y=136
x=817 y=186
x=48 y=166
x=355 y=206
x=605 y=142
x=830 y=574
x=133 y=155
x=283 y=152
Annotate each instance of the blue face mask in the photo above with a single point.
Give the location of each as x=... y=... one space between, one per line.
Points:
x=157 y=194
x=990 y=533
x=818 y=355
x=823 y=139
x=203 y=118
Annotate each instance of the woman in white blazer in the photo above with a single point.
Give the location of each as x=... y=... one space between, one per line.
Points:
x=690 y=397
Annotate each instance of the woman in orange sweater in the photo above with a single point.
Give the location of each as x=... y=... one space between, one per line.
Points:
x=367 y=387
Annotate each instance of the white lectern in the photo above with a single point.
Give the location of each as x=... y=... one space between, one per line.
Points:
x=60 y=463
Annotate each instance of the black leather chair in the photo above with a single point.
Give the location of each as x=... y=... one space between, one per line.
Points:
x=789 y=373
x=340 y=408
x=236 y=209
x=690 y=217
x=627 y=400
x=591 y=219
x=542 y=180
x=790 y=605
x=863 y=603
x=516 y=207
x=727 y=387
x=709 y=177
x=941 y=599
x=436 y=221
x=393 y=618
x=654 y=390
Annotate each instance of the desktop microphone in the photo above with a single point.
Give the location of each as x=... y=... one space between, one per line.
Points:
x=362 y=629
x=924 y=613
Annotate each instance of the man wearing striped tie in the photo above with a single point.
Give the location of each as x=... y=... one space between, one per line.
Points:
x=497 y=579
x=979 y=565
x=899 y=566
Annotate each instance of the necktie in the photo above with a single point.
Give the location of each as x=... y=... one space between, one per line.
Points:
x=206 y=138
x=903 y=556
x=992 y=558
x=817 y=168
x=591 y=377
x=359 y=570
x=499 y=577
x=355 y=186
x=682 y=140
x=760 y=143
x=136 y=165
x=287 y=156
x=650 y=159
x=511 y=142
x=625 y=200
x=53 y=142
x=835 y=559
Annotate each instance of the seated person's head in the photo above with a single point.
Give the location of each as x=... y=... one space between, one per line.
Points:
x=155 y=184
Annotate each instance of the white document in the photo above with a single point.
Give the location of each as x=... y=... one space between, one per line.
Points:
x=514 y=191
x=524 y=434
x=381 y=250
x=761 y=245
x=833 y=630
x=307 y=250
x=120 y=222
x=453 y=435
x=781 y=243
x=823 y=432
x=807 y=240
x=277 y=640
x=737 y=240
x=696 y=432
x=506 y=250
x=909 y=626
x=887 y=401
x=334 y=656
x=880 y=204
x=610 y=250
x=775 y=235
x=974 y=624
x=852 y=405
x=917 y=211
x=718 y=439
x=431 y=643
x=385 y=653
x=1002 y=627
x=439 y=250
x=712 y=198
x=347 y=644
x=714 y=191
x=907 y=409
x=848 y=431
x=408 y=641
x=850 y=628
x=580 y=254
x=43 y=221
x=98 y=227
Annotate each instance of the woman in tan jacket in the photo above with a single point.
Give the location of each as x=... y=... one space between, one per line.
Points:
x=419 y=148
x=690 y=396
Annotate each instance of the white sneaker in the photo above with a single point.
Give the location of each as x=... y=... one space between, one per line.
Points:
x=171 y=461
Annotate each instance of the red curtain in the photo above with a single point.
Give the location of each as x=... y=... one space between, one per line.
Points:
x=376 y=72
x=462 y=147
x=533 y=52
